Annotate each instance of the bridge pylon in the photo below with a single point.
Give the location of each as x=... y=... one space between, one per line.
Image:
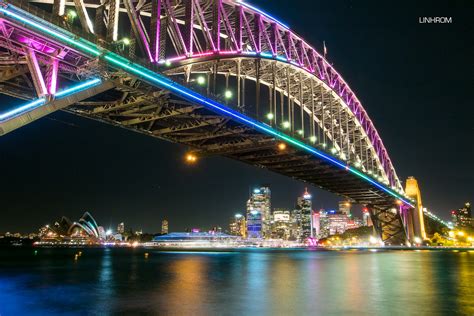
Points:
x=414 y=217
x=388 y=221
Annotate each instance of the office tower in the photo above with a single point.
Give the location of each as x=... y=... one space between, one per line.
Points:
x=345 y=207
x=121 y=228
x=164 y=227
x=238 y=225
x=281 y=224
x=303 y=218
x=463 y=217
x=258 y=213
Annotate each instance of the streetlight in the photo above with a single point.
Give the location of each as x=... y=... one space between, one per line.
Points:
x=300 y=131
x=417 y=240
x=270 y=116
x=333 y=150
x=71 y=14
x=286 y=124
x=228 y=94
x=126 y=41
x=201 y=80
x=313 y=139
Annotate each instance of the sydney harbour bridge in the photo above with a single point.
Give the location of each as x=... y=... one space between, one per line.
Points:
x=218 y=76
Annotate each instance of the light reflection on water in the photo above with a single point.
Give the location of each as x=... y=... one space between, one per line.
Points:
x=284 y=282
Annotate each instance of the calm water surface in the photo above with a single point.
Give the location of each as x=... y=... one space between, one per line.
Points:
x=251 y=282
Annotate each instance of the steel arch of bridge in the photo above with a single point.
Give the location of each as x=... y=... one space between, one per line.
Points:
x=182 y=31
x=143 y=106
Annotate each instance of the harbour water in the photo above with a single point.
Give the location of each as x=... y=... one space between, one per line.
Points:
x=242 y=282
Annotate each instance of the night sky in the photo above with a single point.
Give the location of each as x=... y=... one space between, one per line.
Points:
x=416 y=81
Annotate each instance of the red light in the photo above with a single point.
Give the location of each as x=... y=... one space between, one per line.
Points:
x=365 y=210
x=453 y=212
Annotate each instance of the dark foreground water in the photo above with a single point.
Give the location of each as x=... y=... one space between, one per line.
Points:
x=252 y=282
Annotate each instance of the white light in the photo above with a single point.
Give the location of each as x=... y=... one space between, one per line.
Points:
x=286 y=124
x=108 y=232
x=228 y=94
x=201 y=80
x=313 y=139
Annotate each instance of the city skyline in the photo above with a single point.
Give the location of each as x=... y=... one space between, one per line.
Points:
x=82 y=173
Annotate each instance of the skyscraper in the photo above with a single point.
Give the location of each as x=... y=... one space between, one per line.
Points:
x=259 y=213
x=463 y=216
x=303 y=217
x=164 y=227
x=238 y=225
x=282 y=224
x=345 y=207
x=121 y=228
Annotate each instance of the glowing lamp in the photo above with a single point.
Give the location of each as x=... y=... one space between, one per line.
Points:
x=270 y=116
x=286 y=124
x=72 y=14
x=191 y=158
x=228 y=94
x=201 y=80
x=281 y=146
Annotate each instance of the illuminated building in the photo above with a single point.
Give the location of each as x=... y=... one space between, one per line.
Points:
x=345 y=207
x=338 y=223
x=302 y=216
x=164 y=227
x=323 y=225
x=121 y=228
x=84 y=231
x=238 y=226
x=462 y=217
x=366 y=220
x=282 y=224
x=258 y=213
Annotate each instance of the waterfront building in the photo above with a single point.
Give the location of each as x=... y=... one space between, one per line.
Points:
x=282 y=224
x=238 y=225
x=345 y=207
x=338 y=222
x=259 y=214
x=63 y=231
x=121 y=228
x=164 y=227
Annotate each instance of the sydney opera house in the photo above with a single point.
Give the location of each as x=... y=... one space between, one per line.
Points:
x=83 y=232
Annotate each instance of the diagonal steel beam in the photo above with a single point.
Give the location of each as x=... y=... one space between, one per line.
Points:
x=51 y=106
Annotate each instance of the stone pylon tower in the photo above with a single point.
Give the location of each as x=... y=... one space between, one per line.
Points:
x=413 y=191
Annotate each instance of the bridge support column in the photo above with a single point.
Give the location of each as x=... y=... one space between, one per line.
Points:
x=388 y=224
